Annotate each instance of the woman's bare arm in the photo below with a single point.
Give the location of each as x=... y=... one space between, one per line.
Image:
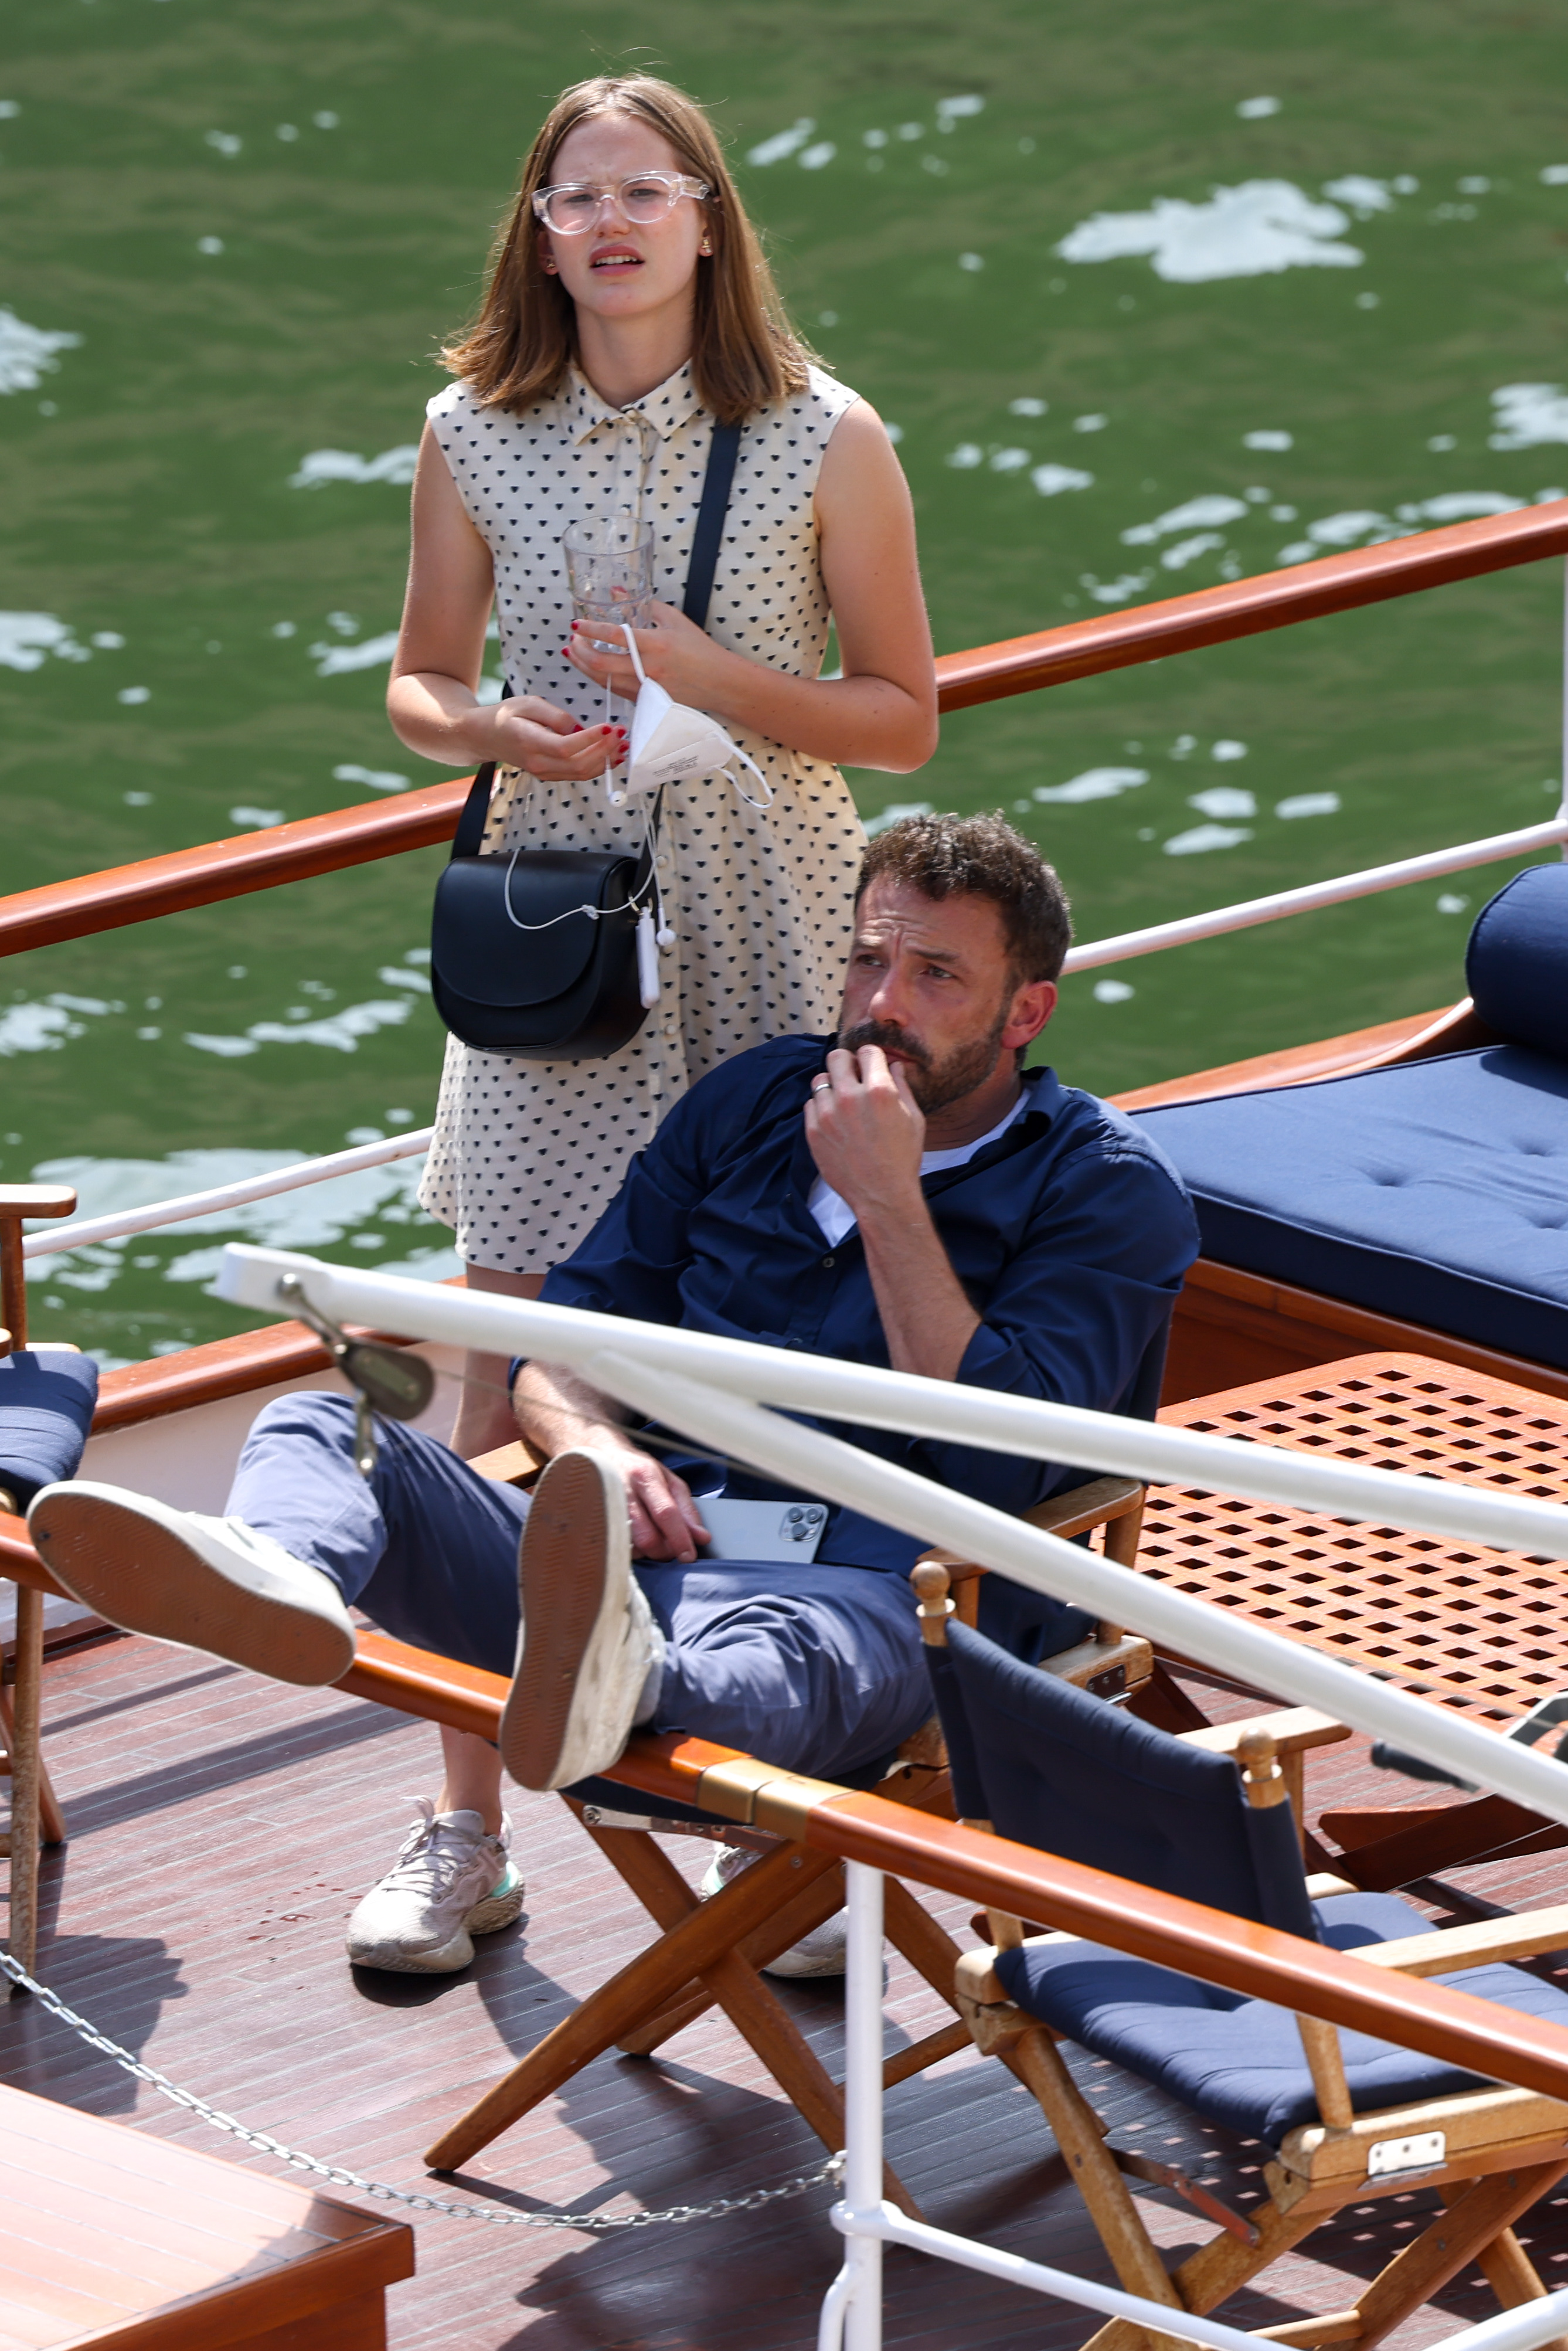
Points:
x=432 y=700
x=881 y=712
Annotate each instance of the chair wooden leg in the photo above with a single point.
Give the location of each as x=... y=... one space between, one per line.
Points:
x=25 y=1776
x=51 y=1818
x=639 y=1991
x=1477 y=2216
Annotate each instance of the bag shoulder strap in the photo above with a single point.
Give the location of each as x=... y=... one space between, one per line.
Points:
x=723 y=450
x=470 y=829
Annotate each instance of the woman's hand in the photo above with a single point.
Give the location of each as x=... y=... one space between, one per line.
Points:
x=538 y=736
x=681 y=657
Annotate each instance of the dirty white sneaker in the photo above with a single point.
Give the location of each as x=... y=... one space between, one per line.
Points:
x=203 y=1584
x=589 y=1643
x=823 y=1952
x=451 y=1882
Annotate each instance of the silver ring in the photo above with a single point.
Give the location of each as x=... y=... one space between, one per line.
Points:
x=820 y=1085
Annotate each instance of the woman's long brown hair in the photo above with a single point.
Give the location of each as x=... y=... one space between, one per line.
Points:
x=744 y=353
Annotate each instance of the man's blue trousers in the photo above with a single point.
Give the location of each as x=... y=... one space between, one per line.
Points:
x=815 y=1668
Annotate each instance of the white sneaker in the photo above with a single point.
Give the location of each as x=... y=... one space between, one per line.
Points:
x=823 y=1952
x=202 y=1583
x=588 y=1640
x=451 y=1881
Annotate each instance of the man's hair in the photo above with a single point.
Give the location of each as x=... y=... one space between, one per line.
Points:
x=980 y=857
x=745 y=355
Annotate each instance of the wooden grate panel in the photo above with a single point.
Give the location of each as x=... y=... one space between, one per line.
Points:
x=1484 y=1631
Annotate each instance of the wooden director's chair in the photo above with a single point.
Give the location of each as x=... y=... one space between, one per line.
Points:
x=35 y=1814
x=709 y=1953
x=1341 y=2127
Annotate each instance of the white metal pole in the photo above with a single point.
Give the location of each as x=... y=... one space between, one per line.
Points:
x=862 y=2106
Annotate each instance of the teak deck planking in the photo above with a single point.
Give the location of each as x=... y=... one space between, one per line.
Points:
x=222 y=1829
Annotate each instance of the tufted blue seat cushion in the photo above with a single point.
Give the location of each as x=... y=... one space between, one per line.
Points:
x=46 y=1399
x=1435 y=1191
x=1238 y=2062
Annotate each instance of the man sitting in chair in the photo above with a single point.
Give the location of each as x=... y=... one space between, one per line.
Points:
x=904 y=1195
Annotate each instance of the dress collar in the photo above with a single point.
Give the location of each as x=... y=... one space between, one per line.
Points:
x=663 y=410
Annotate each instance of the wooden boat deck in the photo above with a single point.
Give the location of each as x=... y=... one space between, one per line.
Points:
x=222 y=1829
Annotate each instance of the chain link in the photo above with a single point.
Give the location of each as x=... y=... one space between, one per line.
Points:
x=599 y=2223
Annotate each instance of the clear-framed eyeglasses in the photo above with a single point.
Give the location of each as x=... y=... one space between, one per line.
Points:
x=575 y=207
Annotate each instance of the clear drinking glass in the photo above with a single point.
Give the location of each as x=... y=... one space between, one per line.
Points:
x=610 y=568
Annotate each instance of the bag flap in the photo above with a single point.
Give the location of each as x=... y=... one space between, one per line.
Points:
x=480 y=954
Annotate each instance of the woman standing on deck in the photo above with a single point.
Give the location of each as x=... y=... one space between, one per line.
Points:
x=629 y=309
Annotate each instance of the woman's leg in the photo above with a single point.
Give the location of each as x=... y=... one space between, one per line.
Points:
x=485 y=1411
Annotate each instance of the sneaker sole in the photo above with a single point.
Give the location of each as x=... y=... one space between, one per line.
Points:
x=128 y=1566
x=562 y=1582
x=486 y=1917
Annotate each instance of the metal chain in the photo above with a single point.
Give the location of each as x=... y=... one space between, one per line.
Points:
x=830 y=2172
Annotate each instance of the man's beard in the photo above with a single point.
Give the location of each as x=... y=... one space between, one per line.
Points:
x=932 y=1083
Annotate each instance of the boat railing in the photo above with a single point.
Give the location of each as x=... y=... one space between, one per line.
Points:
x=218 y=871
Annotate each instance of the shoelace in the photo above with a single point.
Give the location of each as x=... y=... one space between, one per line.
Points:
x=433 y=1856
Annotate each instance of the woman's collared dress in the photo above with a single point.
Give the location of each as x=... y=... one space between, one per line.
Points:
x=527 y=1155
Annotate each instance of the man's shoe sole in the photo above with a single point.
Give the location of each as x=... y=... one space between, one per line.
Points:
x=126 y=1564
x=563 y=1582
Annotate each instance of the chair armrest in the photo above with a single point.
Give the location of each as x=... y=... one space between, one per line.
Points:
x=510 y=1465
x=1292 y=1730
x=1449 y=1947
x=1062 y=1514
x=974 y=1977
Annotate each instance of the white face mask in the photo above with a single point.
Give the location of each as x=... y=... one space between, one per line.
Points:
x=671 y=742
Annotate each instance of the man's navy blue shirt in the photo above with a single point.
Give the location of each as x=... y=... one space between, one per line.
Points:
x=1069 y=1234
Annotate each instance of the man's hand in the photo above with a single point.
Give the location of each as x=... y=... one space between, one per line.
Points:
x=867 y=1131
x=556 y=1409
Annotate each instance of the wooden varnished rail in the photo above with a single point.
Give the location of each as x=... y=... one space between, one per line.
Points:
x=218 y=869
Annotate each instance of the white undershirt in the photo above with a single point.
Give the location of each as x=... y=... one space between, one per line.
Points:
x=836 y=1218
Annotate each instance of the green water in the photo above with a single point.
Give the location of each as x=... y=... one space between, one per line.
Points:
x=258 y=217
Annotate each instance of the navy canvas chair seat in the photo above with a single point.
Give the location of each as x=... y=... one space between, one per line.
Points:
x=1435 y=1191
x=1239 y=2062
x=46 y=1400
x=1049 y=1765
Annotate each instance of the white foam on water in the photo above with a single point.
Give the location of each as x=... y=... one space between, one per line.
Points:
x=1254 y=230
x=1364 y=197
x=1308 y=804
x=225 y=142
x=311 y=1217
x=1257 y=109
x=109 y=641
x=952 y=110
x=134 y=694
x=1460 y=505
x=873 y=138
x=894 y=813
x=397 y=974
x=376 y=779
x=1010 y=461
x=209 y=245
x=323 y=466
x=1093 y=784
x=1267 y=438
x=971 y=261
x=783 y=143
x=1197 y=514
x=27 y=353
x=1115 y=591
x=36 y=1028
x=1051 y=480
x=1187 y=550
x=1028 y=406
x=1111 y=991
x=9 y=110
x=1451 y=903
x=966 y=454
x=341 y=1032
x=1224 y=800
x=261 y=820
x=1204 y=837
x=1091 y=424
x=812 y=158
x=1358 y=526
x=1227 y=748
x=27 y=638
x=336 y=661
x=1528 y=415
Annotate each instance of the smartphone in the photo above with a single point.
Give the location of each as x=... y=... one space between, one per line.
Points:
x=761 y=1532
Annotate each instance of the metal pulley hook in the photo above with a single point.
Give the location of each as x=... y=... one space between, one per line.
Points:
x=389 y=1380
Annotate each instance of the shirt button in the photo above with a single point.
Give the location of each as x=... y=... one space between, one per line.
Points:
x=829 y=1263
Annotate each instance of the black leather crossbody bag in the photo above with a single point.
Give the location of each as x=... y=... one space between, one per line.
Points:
x=565 y=987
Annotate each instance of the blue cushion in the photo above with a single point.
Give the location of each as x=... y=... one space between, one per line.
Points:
x=1237 y=2061
x=1516 y=966
x=46 y=1400
x=1435 y=1191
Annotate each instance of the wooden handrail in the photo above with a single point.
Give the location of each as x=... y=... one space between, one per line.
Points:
x=1245 y=608
x=420 y=820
